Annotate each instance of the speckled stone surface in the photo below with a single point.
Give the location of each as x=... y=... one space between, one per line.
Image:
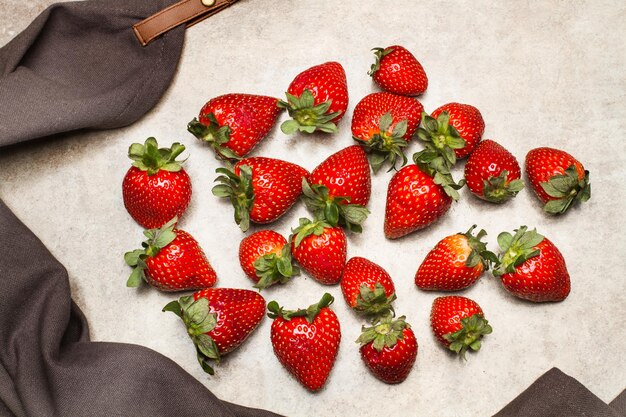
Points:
x=542 y=74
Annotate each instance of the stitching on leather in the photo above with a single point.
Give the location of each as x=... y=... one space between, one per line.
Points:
x=158 y=14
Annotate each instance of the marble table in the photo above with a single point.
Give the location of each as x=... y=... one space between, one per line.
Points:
x=549 y=73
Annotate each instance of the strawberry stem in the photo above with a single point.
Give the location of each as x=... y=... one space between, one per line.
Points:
x=310 y=313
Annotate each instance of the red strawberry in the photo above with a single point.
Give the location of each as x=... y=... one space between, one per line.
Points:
x=458 y=323
x=171 y=260
x=233 y=124
x=531 y=267
x=389 y=349
x=156 y=188
x=367 y=288
x=260 y=189
x=492 y=173
x=557 y=178
x=265 y=257
x=316 y=99
x=396 y=70
x=320 y=249
x=218 y=320
x=340 y=188
x=452 y=131
x=385 y=123
x=455 y=263
x=414 y=201
x=306 y=342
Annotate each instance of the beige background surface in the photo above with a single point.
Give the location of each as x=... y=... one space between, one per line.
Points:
x=549 y=73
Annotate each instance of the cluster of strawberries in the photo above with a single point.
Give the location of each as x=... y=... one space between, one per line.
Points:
x=157 y=191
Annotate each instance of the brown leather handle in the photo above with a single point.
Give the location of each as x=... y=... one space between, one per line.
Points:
x=185 y=11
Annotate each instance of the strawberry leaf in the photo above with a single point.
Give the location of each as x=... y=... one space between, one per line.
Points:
x=385 y=333
x=307 y=117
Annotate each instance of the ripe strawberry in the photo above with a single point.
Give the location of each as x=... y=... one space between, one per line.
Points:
x=455 y=263
x=531 y=267
x=458 y=323
x=389 y=349
x=316 y=99
x=156 y=188
x=320 y=249
x=452 y=131
x=340 y=188
x=233 y=124
x=558 y=179
x=265 y=257
x=260 y=189
x=306 y=342
x=171 y=260
x=416 y=199
x=396 y=70
x=384 y=123
x=368 y=288
x=218 y=320
x=492 y=173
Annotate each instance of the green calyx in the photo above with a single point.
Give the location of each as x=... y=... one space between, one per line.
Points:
x=238 y=188
x=567 y=189
x=440 y=137
x=333 y=210
x=516 y=249
x=272 y=268
x=387 y=146
x=214 y=134
x=479 y=253
x=199 y=321
x=157 y=239
x=310 y=313
x=379 y=53
x=374 y=303
x=150 y=158
x=306 y=228
x=469 y=336
x=432 y=163
x=385 y=333
x=499 y=189
x=306 y=116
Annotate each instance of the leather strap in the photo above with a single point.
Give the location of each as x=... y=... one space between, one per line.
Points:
x=185 y=11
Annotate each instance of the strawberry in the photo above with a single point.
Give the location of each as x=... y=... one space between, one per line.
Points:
x=218 y=320
x=384 y=123
x=340 y=188
x=320 y=249
x=531 y=267
x=306 y=342
x=559 y=179
x=455 y=263
x=170 y=260
x=451 y=132
x=156 y=188
x=458 y=323
x=367 y=288
x=265 y=257
x=396 y=70
x=260 y=189
x=389 y=349
x=492 y=173
x=233 y=124
x=416 y=199
x=316 y=99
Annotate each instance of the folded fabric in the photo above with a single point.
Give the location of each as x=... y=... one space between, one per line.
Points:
x=556 y=394
x=79 y=65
